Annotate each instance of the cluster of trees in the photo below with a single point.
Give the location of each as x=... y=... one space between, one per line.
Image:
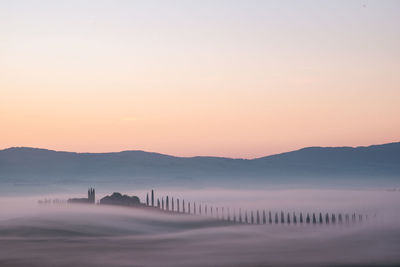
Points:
x=252 y=217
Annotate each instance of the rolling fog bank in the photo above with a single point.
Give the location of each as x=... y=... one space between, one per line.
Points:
x=65 y=235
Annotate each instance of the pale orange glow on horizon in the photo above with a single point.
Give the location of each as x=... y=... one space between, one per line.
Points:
x=173 y=82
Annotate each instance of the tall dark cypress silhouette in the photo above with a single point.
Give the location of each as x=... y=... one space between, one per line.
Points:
x=327 y=218
x=205 y=210
x=177 y=206
x=229 y=215
x=264 y=217
x=294 y=218
x=200 y=208
x=252 y=218
x=194 y=207
x=282 y=218
x=211 y=211
x=152 y=197
x=240 y=215
x=147 y=199
x=288 y=218
x=216 y=212
x=276 y=218
x=234 y=215
x=183 y=206
x=301 y=217
x=158 y=203
x=245 y=217
x=308 y=218
x=333 y=218
x=167 y=203
x=258 y=217
x=172 y=204
x=189 y=207
x=269 y=217
x=162 y=203
x=314 y=219
x=321 y=221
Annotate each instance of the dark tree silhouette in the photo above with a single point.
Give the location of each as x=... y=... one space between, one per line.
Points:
x=229 y=215
x=340 y=219
x=264 y=218
x=327 y=218
x=252 y=218
x=314 y=219
x=258 y=217
x=178 y=208
x=276 y=218
x=321 y=221
x=147 y=199
x=205 y=210
x=211 y=210
x=269 y=217
x=172 y=204
x=158 y=203
x=240 y=216
x=183 y=206
x=189 y=207
x=194 y=207
x=301 y=217
x=152 y=197
x=282 y=218
x=308 y=218
x=294 y=218
x=234 y=215
x=333 y=218
x=200 y=209
x=245 y=217
x=162 y=203
x=353 y=218
x=223 y=214
x=216 y=211
x=288 y=218
x=167 y=203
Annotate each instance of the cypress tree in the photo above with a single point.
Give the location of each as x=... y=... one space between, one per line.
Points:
x=327 y=218
x=282 y=218
x=308 y=218
x=177 y=205
x=240 y=215
x=245 y=217
x=162 y=203
x=152 y=197
x=288 y=218
x=205 y=210
x=258 y=217
x=147 y=199
x=276 y=218
x=211 y=209
x=183 y=206
x=321 y=221
x=269 y=217
x=353 y=218
x=252 y=218
x=301 y=217
x=234 y=215
x=314 y=219
x=294 y=218
x=194 y=207
x=158 y=203
x=172 y=204
x=340 y=219
x=200 y=208
x=189 y=207
x=264 y=218
x=167 y=203
x=333 y=218
x=229 y=215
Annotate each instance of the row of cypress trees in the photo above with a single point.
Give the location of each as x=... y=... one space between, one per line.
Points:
x=252 y=217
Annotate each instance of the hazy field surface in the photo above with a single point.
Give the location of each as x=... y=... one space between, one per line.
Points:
x=80 y=235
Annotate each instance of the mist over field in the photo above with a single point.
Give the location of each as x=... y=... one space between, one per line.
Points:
x=97 y=235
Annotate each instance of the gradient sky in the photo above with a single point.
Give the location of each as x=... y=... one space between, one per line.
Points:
x=223 y=78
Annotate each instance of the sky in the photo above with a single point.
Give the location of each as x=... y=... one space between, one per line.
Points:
x=223 y=78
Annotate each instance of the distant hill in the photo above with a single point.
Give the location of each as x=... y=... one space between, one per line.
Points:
x=331 y=165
